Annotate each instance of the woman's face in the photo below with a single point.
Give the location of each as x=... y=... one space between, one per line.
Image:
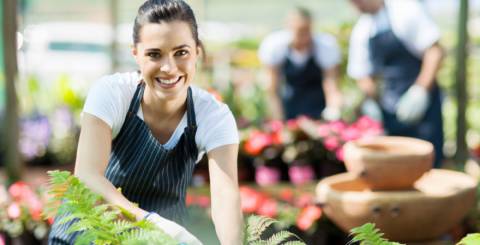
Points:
x=166 y=54
x=367 y=6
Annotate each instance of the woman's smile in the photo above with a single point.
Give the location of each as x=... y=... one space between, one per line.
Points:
x=168 y=83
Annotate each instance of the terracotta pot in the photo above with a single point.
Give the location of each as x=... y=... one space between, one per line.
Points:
x=438 y=202
x=387 y=162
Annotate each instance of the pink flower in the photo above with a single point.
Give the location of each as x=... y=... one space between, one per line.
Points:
x=337 y=126
x=300 y=174
x=35 y=207
x=304 y=200
x=350 y=133
x=331 y=143
x=265 y=175
x=339 y=154
x=14 y=211
x=268 y=208
x=323 y=130
x=292 y=124
x=275 y=126
x=308 y=216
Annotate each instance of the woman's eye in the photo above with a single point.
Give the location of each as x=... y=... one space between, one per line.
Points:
x=181 y=53
x=153 y=55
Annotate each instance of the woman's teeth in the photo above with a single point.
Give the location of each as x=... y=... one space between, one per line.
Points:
x=171 y=81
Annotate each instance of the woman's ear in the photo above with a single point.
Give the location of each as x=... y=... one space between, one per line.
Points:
x=133 y=49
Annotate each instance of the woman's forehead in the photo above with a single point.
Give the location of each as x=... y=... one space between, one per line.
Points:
x=172 y=33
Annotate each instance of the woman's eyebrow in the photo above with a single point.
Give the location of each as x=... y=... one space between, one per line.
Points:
x=181 y=46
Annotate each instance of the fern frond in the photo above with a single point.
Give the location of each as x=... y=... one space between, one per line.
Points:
x=470 y=239
x=279 y=237
x=256 y=225
x=294 y=243
x=368 y=234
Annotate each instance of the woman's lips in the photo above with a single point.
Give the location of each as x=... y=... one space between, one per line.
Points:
x=168 y=83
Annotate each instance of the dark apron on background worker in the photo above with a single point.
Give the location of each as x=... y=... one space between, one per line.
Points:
x=148 y=174
x=302 y=92
x=399 y=69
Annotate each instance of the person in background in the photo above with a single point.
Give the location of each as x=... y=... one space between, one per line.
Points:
x=144 y=131
x=395 y=55
x=303 y=70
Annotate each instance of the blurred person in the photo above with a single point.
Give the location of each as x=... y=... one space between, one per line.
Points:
x=395 y=56
x=303 y=70
x=144 y=131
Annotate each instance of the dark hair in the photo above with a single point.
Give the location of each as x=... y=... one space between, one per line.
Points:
x=158 y=11
x=303 y=12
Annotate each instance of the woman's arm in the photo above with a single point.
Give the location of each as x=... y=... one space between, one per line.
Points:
x=432 y=60
x=274 y=101
x=333 y=96
x=226 y=213
x=93 y=152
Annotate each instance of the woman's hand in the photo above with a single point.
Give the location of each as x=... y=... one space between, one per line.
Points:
x=176 y=231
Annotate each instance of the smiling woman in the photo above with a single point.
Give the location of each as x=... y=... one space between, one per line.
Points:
x=144 y=131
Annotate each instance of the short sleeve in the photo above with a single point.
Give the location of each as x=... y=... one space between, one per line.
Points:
x=327 y=52
x=274 y=48
x=413 y=25
x=359 y=65
x=108 y=99
x=215 y=122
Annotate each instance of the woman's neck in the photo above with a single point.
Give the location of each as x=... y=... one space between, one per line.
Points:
x=163 y=109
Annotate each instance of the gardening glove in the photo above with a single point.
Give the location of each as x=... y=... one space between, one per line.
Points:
x=173 y=229
x=413 y=104
x=331 y=114
x=371 y=109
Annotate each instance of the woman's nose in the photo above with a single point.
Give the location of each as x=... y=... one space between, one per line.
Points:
x=167 y=64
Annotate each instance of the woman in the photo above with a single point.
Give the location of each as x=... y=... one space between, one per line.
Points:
x=395 y=42
x=303 y=70
x=143 y=132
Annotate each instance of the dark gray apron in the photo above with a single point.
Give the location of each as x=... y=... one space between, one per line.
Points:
x=146 y=172
x=399 y=69
x=302 y=92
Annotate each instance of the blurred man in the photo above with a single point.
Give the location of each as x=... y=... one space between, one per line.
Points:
x=303 y=70
x=396 y=43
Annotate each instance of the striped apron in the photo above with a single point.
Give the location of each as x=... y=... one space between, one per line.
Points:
x=148 y=174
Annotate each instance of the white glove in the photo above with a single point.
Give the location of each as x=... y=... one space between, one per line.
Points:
x=371 y=109
x=413 y=104
x=173 y=229
x=331 y=113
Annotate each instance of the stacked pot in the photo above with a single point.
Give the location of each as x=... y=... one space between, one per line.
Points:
x=390 y=183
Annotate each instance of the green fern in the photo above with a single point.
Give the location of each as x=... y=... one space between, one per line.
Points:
x=257 y=225
x=470 y=239
x=368 y=234
x=99 y=222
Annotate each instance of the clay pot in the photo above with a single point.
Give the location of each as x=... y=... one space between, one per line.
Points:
x=438 y=202
x=387 y=162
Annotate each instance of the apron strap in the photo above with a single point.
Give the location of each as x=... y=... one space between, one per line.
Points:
x=137 y=99
x=192 y=122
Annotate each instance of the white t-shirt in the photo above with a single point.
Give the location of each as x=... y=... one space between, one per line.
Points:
x=274 y=49
x=110 y=97
x=408 y=20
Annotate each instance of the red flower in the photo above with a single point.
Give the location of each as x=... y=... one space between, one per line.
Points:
x=308 y=216
x=203 y=201
x=286 y=195
x=257 y=142
x=304 y=200
x=337 y=126
x=189 y=200
x=269 y=208
x=20 y=191
x=251 y=200
x=292 y=124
